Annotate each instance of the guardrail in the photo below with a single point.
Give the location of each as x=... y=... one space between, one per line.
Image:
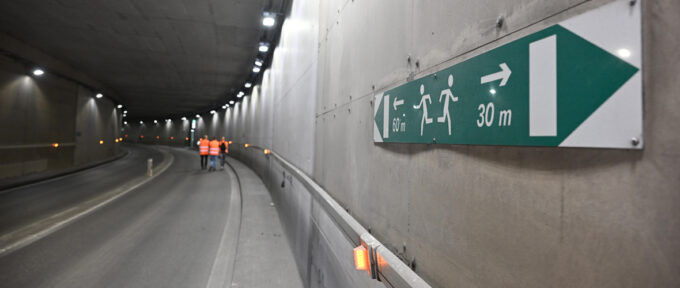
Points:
x=384 y=265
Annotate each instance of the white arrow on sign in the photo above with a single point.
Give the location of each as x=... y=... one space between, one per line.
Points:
x=397 y=103
x=503 y=74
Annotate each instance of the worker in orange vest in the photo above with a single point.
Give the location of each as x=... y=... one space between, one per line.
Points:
x=224 y=149
x=204 y=150
x=214 y=153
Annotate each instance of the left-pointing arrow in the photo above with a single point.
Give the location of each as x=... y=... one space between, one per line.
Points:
x=397 y=103
x=504 y=74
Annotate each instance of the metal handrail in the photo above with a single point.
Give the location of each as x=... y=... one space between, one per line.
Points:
x=390 y=270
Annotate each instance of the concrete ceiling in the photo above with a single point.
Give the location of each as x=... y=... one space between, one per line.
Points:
x=160 y=57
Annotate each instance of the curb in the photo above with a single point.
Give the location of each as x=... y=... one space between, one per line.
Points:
x=222 y=272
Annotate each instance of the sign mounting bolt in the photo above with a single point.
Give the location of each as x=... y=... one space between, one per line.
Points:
x=635 y=141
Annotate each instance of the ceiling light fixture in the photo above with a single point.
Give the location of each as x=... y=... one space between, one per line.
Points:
x=231 y=102
x=38 y=72
x=99 y=95
x=184 y=118
x=256 y=69
x=248 y=85
x=258 y=62
x=268 y=20
x=212 y=112
x=120 y=106
x=263 y=47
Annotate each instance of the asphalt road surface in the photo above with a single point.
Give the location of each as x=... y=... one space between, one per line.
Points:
x=165 y=233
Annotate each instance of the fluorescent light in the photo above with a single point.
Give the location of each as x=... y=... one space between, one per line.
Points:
x=231 y=102
x=268 y=21
x=623 y=53
x=263 y=48
x=248 y=85
x=256 y=69
x=38 y=72
x=120 y=106
x=258 y=62
x=99 y=95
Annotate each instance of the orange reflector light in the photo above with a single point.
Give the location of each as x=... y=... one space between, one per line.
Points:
x=158 y=137
x=116 y=140
x=55 y=145
x=186 y=138
x=231 y=142
x=247 y=145
x=141 y=136
x=267 y=151
x=361 y=258
x=101 y=141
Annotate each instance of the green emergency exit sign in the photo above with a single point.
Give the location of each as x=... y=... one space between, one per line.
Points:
x=576 y=83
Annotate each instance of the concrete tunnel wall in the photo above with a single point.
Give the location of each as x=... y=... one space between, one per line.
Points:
x=469 y=216
x=38 y=111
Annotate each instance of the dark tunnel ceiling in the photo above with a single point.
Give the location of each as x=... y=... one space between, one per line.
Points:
x=160 y=57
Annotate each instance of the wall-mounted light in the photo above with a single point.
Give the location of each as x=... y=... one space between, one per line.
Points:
x=119 y=106
x=124 y=122
x=267 y=151
x=184 y=118
x=258 y=62
x=198 y=116
x=231 y=102
x=256 y=69
x=212 y=112
x=38 y=72
x=55 y=145
x=99 y=95
x=141 y=122
x=263 y=47
x=248 y=85
x=240 y=94
x=361 y=258
x=225 y=106
x=246 y=145
x=155 y=122
x=101 y=142
x=124 y=111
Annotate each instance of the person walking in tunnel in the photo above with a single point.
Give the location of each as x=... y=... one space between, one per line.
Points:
x=214 y=153
x=203 y=149
x=224 y=149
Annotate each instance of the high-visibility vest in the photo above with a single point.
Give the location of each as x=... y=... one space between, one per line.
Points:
x=204 y=146
x=214 y=148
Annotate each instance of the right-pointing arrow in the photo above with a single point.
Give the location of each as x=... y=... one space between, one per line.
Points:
x=504 y=74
